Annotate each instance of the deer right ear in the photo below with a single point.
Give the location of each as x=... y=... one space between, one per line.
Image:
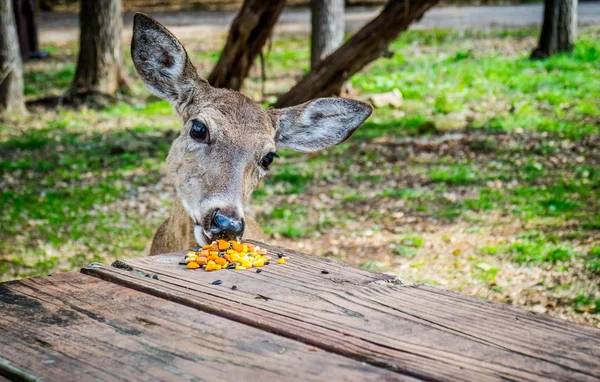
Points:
x=161 y=60
x=320 y=123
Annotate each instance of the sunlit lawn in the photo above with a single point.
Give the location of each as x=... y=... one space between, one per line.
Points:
x=485 y=138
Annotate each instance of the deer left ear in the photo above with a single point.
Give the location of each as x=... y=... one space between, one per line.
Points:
x=161 y=60
x=320 y=123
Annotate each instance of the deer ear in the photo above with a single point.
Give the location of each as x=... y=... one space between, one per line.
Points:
x=161 y=60
x=319 y=123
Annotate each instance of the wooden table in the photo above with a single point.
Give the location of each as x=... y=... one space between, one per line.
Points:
x=310 y=319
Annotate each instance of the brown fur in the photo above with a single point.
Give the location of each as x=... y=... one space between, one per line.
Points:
x=221 y=173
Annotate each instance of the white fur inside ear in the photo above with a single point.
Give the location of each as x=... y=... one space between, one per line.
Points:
x=166 y=66
x=159 y=59
x=321 y=123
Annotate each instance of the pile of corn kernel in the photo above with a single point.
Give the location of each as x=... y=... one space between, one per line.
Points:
x=223 y=254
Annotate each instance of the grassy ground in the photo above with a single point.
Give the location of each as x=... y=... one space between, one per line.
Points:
x=486 y=180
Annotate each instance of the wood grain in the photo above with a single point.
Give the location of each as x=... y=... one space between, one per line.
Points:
x=419 y=331
x=72 y=327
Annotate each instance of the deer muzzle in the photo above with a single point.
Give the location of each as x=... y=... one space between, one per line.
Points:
x=226 y=226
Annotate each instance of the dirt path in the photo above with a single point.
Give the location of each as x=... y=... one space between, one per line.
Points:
x=62 y=28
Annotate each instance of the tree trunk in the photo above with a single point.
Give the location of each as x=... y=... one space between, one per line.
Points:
x=25 y=18
x=559 y=28
x=368 y=44
x=248 y=34
x=327 y=35
x=100 y=64
x=11 y=67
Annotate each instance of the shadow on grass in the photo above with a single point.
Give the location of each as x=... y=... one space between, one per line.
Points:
x=60 y=177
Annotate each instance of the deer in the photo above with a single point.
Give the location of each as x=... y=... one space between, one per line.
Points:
x=226 y=142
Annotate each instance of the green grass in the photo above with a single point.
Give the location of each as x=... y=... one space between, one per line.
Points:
x=487 y=274
x=456 y=174
x=290 y=179
x=533 y=247
x=37 y=82
x=415 y=241
x=405 y=251
x=556 y=95
x=63 y=172
x=288 y=221
x=375 y=266
x=592 y=261
x=587 y=304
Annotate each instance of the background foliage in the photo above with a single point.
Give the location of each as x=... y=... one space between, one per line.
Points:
x=486 y=179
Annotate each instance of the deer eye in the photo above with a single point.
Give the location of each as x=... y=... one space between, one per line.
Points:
x=268 y=159
x=199 y=131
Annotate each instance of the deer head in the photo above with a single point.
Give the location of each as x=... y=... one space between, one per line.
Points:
x=227 y=142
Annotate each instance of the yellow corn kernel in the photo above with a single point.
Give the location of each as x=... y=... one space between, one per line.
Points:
x=232 y=252
x=281 y=261
x=246 y=264
x=221 y=261
x=192 y=265
x=258 y=263
x=191 y=260
x=201 y=260
x=191 y=253
x=234 y=258
x=222 y=244
x=239 y=268
x=211 y=262
x=213 y=253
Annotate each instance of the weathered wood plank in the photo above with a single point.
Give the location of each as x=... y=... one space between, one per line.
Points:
x=9 y=372
x=72 y=327
x=421 y=331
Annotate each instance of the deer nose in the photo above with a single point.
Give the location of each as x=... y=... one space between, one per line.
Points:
x=226 y=227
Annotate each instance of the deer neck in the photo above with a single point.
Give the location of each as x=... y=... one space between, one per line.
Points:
x=176 y=233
